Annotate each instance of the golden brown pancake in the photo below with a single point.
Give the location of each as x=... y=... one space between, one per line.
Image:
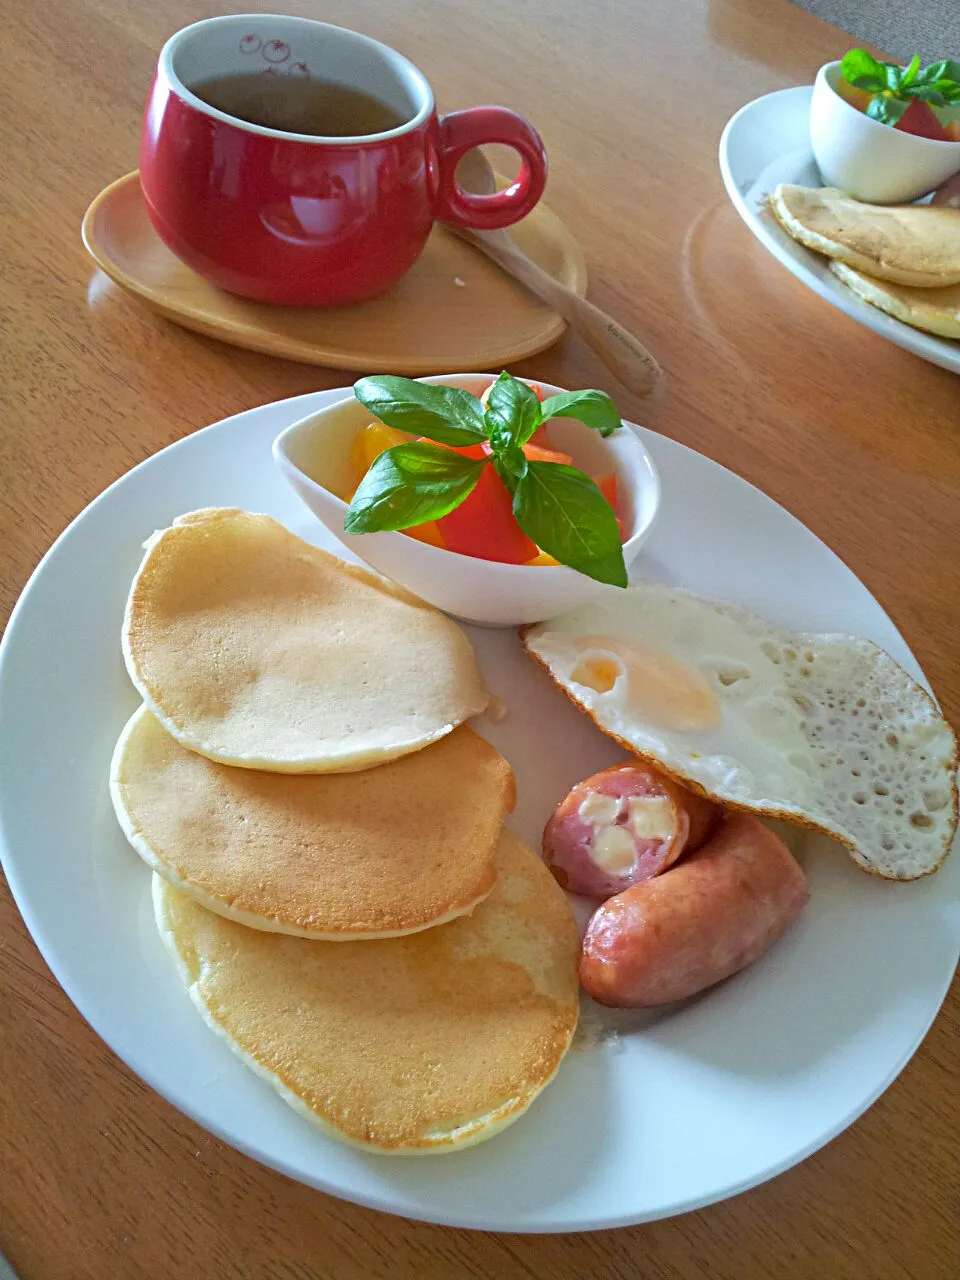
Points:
x=377 y=853
x=258 y=650
x=911 y=244
x=408 y=1045
x=933 y=310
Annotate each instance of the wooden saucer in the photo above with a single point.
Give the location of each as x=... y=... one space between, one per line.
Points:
x=454 y=309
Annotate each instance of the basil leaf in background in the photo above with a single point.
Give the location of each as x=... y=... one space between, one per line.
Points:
x=911 y=72
x=893 y=75
x=593 y=408
x=934 y=71
x=513 y=413
x=947 y=69
x=445 y=414
x=863 y=70
x=926 y=93
x=566 y=515
x=886 y=110
x=411 y=484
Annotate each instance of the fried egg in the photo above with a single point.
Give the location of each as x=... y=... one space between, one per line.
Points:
x=825 y=731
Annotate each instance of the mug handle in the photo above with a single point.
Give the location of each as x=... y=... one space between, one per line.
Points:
x=460 y=132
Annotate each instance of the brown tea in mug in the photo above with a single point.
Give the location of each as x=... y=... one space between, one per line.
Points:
x=298 y=104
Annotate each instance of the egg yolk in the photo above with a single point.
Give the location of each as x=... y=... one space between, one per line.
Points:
x=661 y=688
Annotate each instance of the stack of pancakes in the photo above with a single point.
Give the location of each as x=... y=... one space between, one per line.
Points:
x=332 y=875
x=903 y=259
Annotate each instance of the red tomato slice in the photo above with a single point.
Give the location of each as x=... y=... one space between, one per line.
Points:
x=483 y=525
x=920 y=119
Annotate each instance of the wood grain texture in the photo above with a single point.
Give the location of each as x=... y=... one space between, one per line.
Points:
x=98 y=1176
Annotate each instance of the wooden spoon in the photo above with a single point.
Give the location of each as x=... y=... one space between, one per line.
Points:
x=622 y=353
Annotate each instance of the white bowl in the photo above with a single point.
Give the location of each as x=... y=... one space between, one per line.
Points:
x=314 y=456
x=870 y=160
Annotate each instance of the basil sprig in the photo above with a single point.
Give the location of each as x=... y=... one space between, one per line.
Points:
x=557 y=507
x=411 y=484
x=893 y=86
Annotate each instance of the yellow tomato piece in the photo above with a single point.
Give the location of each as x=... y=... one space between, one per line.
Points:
x=369 y=442
x=428 y=533
x=543 y=558
x=858 y=98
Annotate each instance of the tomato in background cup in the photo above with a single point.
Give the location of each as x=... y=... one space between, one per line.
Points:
x=307 y=220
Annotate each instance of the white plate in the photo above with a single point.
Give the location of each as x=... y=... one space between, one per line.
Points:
x=701 y=1102
x=768 y=141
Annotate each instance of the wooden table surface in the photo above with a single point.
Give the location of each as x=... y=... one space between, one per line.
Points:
x=99 y=1177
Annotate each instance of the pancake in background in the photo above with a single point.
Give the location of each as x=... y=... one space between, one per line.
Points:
x=259 y=650
x=823 y=730
x=933 y=310
x=408 y=1045
x=911 y=244
x=336 y=856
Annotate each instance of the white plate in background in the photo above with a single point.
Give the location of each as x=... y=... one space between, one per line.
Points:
x=768 y=142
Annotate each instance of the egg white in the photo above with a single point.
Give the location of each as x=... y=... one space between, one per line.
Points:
x=822 y=730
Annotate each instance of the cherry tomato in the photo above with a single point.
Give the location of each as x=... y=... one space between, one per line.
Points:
x=368 y=444
x=428 y=533
x=859 y=98
x=921 y=120
x=483 y=525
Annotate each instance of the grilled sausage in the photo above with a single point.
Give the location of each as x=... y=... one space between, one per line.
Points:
x=718 y=911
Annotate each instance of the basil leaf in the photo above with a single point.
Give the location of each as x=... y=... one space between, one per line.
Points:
x=871 y=83
x=911 y=72
x=935 y=71
x=566 y=515
x=863 y=70
x=445 y=414
x=411 y=484
x=947 y=69
x=593 y=408
x=893 y=75
x=886 y=110
x=511 y=464
x=926 y=93
x=513 y=413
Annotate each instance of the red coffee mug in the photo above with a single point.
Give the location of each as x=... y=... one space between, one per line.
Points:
x=303 y=220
